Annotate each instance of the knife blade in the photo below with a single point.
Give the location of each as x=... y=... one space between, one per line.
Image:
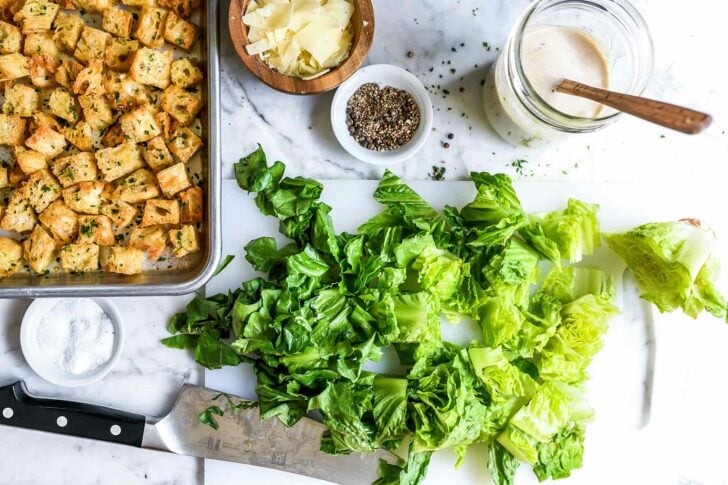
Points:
x=242 y=436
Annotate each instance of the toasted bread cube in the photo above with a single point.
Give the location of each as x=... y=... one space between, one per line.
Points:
x=11 y=40
x=16 y=176
x=140 y=3
x=91 y=44
x=184 y=241
x=160 y=211
x=128 y=261
x=95 y=229
x=151 y=67
x=74 y=169
x=179 y=32
x=63 y=105
x=173 y=179
x=113 y=136
x=81 y=136
x=80 y=258
x=90 y=81
x=181 y=104
x=60 y=220
x=42 y=45
x=96 y=111
x=11 y=256
x=4 y=182
x=137 y=187
x=140 y=125
x=47 y=141
x=150 y=27
x=97 y=6
x=184 y=143
x=13 y=66
x=41 y=189
x=190 y=205
x=12 y=130
x=119 y=161
x=67 y=72
x=67 y=30
x=84 y=198
x=41 y=118
x=41 y=76
x=124 y=93
x=183 y=8
x=185 y=74
x=151 y=240
x=19 y=215
x=119 y=54
x=117 y=21
x=29 y=161
x=122 y=214
x=20 y=99
x=157 y=155
x=39 y=249
x=37 y=15
x=165 y=123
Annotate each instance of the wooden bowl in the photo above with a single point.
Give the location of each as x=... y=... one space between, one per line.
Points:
x=363 y=24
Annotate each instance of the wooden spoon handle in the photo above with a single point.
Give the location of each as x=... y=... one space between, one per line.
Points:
x=669 y=115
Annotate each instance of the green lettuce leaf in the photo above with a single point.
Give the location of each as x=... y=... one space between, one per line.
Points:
x=390 y=410
x=575 y=230
x=502 y=465
x=411 y=473
x=558 y=457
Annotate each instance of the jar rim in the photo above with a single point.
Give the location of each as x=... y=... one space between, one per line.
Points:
x=640 y=40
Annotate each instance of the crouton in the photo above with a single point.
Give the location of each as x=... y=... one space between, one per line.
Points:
x=122 y=214
x=183 y=8
x=117 y=21
x=12 y=130
x=91 y=44
x=39 y=249
x=124 y=93
x=29 y=161
x=11 y=39
x=185 y=74
x=16 y=176
x=80 y=258
x=151 y=67
x=160 y=211
x=63 y=105
x=19 y=215
x=46 y=141
x=81 y=136
x=179 y=32
x=113 y=136
x=60 y=220
x=140 y=125
x=184 y=143
x=157 y=155
x=85 y=197
x=181 y=104
x=184 y=241
x=41 y=189
x=190 y=205
x=97 y=6
x=119 y=161
x=37 y=15
x=151 y=240
x=20 y=99
x=96 y=111
x=90 y=81
x=128 y=261
x=14 y=66
x=41 y=45
x=67 y=30
x=95 y=229
x=165 y=122
x=173 y=179
x=150 y=27
x=119 y=53
x=67 y=72
x=4 y=182
x=137 y=187
x=74 y=169
x=39 y=72
x=11 y=256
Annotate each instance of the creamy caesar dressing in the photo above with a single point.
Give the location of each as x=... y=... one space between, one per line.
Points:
x=550 y=54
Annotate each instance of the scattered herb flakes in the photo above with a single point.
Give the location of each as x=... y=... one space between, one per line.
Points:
x=438 y=173
x=519 y=165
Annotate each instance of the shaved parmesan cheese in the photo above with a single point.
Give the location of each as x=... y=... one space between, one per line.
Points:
x=300 y=38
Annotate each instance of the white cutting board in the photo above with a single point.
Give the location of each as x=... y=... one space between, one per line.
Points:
x=621 y=446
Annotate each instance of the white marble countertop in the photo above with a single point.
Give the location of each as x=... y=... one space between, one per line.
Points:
x=690 y=69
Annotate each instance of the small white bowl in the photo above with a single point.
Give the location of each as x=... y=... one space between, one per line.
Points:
x=384 y=75
x=40 y=363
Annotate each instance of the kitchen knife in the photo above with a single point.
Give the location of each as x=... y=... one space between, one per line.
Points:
x=242 y=436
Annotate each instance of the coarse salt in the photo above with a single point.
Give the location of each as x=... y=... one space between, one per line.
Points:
x=76 y=335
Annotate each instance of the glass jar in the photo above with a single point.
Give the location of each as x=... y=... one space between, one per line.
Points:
x=515 y=109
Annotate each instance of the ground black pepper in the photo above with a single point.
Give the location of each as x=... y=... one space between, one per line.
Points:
x=382 y=118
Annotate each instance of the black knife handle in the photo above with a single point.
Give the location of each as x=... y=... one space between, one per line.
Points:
x=20 y=409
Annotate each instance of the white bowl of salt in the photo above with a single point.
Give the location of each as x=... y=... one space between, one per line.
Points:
x=72 y=342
